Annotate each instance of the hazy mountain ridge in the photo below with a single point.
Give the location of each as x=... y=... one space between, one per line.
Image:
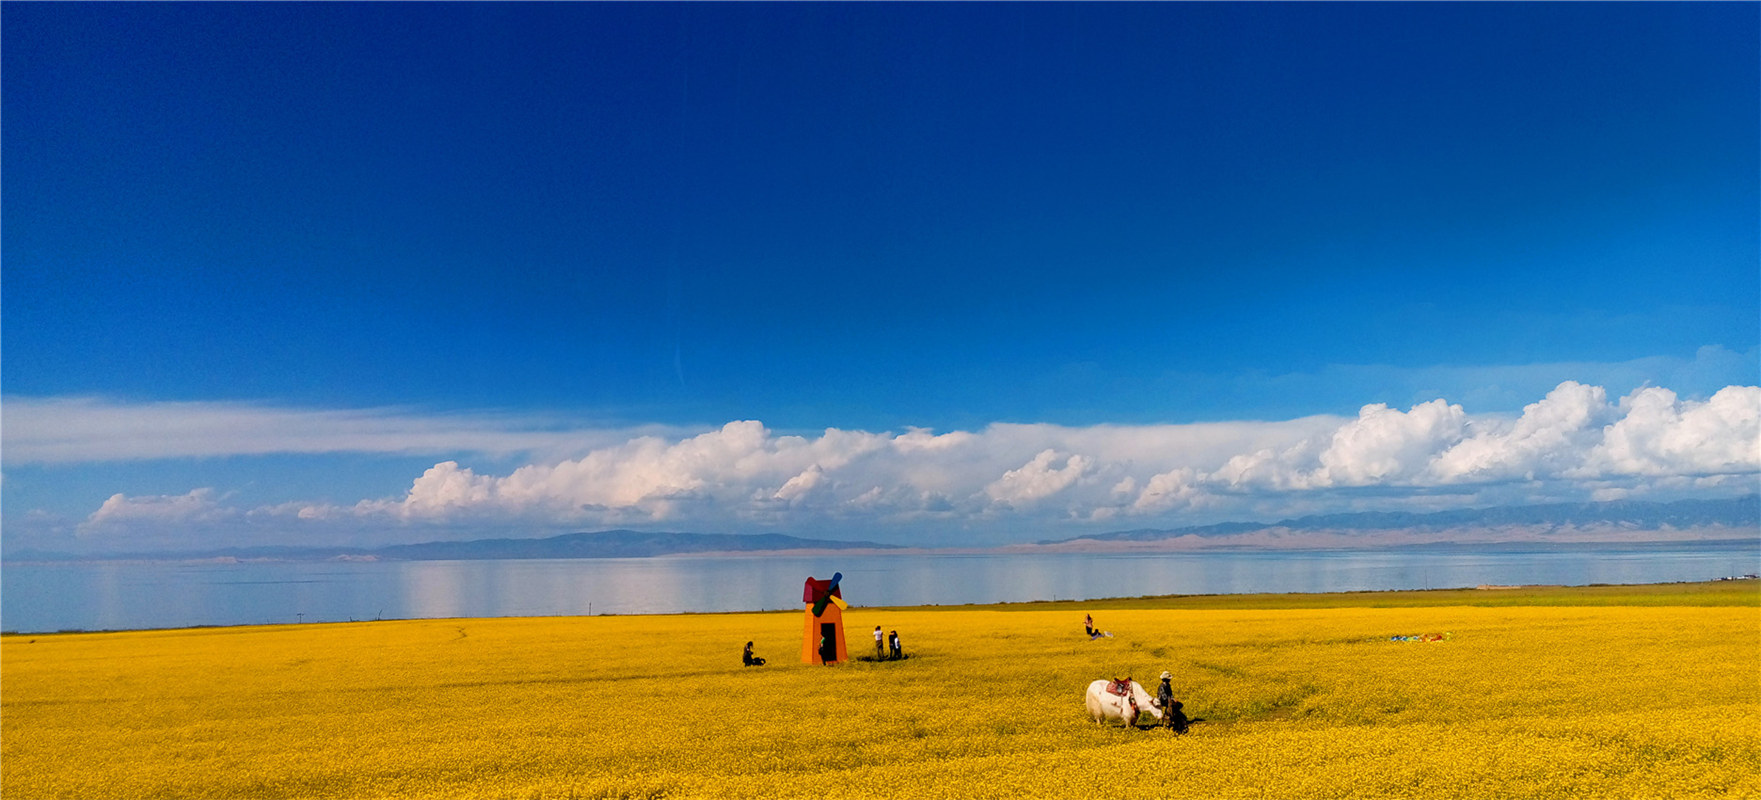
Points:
x=615 y=544
x=1741 y=516
x=1737 y=513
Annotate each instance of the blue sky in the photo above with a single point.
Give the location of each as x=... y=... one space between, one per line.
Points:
x=269 y=268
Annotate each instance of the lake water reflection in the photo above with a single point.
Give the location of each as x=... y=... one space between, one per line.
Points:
x=47 y=597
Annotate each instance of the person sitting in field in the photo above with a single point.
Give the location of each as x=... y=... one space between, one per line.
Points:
x=749 y=659
x=1088 y=625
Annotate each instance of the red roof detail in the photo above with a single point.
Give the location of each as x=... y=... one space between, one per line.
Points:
x=813 y=590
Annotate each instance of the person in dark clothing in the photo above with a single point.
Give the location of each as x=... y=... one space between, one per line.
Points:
x=893 y=645
x=1172 y=715
x=749 y=659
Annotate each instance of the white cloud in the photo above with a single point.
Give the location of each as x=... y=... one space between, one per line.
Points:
x=1498 y=387
x=802 y=486
x=745 y=471
x=1571 y=444
x=446 y=487
x=60 y=430
x=1170 y=491
x=1384 y=446
x=121 y=512
x=1659 y=435
x=1038 y=479
x=1545 y=439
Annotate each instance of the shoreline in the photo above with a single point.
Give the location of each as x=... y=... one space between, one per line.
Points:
x=1502 y=594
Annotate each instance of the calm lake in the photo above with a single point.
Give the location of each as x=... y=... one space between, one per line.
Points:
x=118 y=596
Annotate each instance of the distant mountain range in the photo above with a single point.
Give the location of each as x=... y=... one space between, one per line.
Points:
x=604 y=544
x=1738 y=513
x=1742 y=516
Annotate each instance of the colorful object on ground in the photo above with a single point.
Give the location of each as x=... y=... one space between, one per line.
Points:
x=822 y=635
x=1428 y=637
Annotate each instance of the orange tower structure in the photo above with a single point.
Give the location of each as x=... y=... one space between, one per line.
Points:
x=822 y=637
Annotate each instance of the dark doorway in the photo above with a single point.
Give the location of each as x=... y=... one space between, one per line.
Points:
x=828 y=642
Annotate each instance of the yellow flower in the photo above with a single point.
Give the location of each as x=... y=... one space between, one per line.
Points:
x=1651 y=694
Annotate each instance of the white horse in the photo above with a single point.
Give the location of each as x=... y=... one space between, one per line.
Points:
x=1120 y=701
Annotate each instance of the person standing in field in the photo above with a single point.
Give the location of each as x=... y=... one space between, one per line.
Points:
x=1172 y=716
x=878 y=653
x=898 y=652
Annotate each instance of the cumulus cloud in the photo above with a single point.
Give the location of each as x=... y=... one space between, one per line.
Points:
x=1573 y=443
x=1486 y=387
x=1548 y=436
x=1573 y=434
x=800 y=488
x=1660 y=434
x=1169 y=491
x=735 y=468
x=744 y=470
x=1047 y=474
x=1387 y=446
x=122 y=512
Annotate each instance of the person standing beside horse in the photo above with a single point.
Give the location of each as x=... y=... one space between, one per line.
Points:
x=1172 y=715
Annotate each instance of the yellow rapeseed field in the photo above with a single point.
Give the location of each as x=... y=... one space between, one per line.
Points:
x=1652 y=692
